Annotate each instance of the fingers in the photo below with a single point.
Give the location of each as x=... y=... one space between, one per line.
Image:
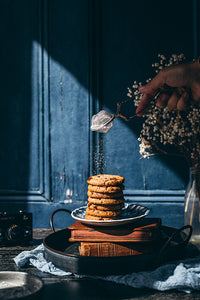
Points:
x=196 y=93
x=162 y=100
x=182 y=103
x=173 y=100
x=146 y=99
x=152 y=87
x=149 y=90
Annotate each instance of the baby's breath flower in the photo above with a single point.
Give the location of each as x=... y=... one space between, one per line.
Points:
x=163 y=128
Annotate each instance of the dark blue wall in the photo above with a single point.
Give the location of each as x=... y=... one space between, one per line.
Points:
x=61 y=62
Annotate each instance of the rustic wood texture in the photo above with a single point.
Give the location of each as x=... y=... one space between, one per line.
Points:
x=148 y=230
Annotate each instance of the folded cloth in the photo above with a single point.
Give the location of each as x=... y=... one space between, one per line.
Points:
x=181 y=275
x=36 y=258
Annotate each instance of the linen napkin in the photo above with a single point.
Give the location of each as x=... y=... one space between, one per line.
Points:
x=36 y=258
x=181 y=275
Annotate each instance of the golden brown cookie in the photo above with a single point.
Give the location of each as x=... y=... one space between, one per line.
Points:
x=108 y=201
x=103 y=213
x=105 y=180
x=90 y=217
x=105 y=207
x=105 y=189
x=105 y=195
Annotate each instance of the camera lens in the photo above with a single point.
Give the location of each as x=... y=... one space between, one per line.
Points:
x=15 y=233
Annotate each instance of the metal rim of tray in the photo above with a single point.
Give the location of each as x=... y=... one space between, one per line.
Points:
x=56 y=243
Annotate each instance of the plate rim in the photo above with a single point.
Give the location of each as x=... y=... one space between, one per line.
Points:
x=115 y=222
x=40 y=283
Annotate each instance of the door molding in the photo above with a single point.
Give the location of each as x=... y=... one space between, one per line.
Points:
x=40 y=68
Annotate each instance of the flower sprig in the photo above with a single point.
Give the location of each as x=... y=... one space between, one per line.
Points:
x=163 y=129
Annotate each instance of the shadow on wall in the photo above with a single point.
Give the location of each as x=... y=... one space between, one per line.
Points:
x=126 y=38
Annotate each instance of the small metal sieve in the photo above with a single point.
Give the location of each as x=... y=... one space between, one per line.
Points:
x=103 y=121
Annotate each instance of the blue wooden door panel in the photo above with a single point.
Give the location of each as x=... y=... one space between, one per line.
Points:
x=69 y=98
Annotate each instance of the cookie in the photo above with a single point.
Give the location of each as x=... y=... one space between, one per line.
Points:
x=109 y=201
x=105 y=189
x=103 y=213
x=105 y=207
x=105 y=197
x=90 y=217
x=97 y=195
x=105 y=180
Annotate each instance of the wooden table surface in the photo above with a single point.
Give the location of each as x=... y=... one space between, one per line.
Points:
x=71 y=287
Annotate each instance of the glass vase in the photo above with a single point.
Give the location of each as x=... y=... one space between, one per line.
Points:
x=192 y=204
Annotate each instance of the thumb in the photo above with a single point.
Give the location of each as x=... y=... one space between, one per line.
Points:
x=151 y=87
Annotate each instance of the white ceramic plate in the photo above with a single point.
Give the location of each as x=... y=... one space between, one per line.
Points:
x=130 y=213
x=17 y=285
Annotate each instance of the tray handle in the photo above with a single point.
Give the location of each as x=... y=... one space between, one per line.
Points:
x=175 y=234
x=53 y=214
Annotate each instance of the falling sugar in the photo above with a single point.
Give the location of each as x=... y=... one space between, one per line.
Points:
x=98 y=159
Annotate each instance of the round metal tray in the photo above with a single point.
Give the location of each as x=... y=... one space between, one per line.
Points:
x=64 y=254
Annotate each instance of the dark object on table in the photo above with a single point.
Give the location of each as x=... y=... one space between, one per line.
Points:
x=15 y=228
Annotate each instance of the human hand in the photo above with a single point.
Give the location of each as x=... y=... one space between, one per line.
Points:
x=178 y=86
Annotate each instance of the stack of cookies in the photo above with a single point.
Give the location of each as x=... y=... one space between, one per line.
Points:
x=105 y=197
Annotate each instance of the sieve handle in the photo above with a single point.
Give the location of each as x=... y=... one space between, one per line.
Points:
x=110 y=120
x=174 y=236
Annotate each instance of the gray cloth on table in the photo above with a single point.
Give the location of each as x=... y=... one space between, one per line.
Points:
x=36 y=258
x=181 y=275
